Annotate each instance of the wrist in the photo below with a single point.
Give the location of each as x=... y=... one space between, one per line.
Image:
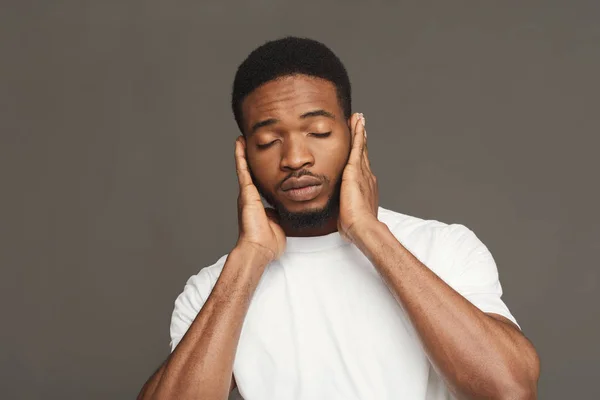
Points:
x=254 y=253
x=360 y=229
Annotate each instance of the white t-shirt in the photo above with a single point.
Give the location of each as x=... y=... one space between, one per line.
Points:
x=322 y=324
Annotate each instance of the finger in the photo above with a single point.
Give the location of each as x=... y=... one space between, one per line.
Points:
x=365 y=157
x=354 y=123
x=241 y=165
x=358 y=141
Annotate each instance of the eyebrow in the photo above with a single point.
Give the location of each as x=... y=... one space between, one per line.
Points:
x=271 y=121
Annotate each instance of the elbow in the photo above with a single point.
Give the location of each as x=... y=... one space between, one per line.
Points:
x=524 y=384
x=524 y=391
x=515 y=379
x=519 y=393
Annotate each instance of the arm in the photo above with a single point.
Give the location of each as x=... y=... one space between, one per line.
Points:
x=479 y=355
x=202 y=363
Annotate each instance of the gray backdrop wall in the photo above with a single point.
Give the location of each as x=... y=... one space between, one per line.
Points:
x=118 y=182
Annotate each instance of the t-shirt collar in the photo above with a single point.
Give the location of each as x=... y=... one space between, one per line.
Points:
x=312 y=244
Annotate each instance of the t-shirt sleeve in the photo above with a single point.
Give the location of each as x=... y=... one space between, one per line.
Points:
x=188 y=304
x=473 y=271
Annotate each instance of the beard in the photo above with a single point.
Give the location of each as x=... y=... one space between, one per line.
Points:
x=308 y=219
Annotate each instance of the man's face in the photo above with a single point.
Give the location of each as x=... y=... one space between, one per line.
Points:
x=282 y=122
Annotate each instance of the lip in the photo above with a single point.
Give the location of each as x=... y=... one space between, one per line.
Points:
x=303 y=181
x=305 y=193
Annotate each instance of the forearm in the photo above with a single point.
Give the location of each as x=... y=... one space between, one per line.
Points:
x=478 y=356
x=201 y=365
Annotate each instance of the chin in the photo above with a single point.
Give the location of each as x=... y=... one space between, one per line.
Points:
x=304 y=207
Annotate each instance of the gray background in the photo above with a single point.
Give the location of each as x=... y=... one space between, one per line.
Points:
x=118 y=182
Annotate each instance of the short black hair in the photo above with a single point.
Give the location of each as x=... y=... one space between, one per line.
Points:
x=289 y=56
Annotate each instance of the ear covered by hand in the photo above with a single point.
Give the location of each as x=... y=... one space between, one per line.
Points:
x=359 y=196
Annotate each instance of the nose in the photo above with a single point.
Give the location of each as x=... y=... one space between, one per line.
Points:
x=296 y=155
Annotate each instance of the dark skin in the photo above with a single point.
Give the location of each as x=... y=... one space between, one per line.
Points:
x=479 y=355
x=300 y=120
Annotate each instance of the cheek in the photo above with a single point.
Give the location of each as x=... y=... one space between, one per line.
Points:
x=332 y=158
x=264 y=170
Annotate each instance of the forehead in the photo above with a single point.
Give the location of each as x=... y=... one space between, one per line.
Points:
x=289 y=97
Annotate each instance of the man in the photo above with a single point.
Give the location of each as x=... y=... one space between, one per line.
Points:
x=326 y=295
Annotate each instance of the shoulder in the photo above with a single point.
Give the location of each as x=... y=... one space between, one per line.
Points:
x=192 y=299
x=208 y=273
x=412 y=228
x=407 y=225
x=437 y=244
x=199 y=285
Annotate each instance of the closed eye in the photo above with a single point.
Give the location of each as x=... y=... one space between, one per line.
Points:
x=319 y=135
x=325 y=134
x=264 y=146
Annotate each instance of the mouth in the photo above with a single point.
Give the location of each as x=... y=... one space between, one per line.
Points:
x=304 y=193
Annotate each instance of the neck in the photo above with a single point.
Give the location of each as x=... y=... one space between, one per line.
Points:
x=328 y=227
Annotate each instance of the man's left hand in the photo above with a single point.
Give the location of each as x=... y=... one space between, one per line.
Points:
x=359 y=196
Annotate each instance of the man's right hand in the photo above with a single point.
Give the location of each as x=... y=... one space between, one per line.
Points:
x=257 y=225
x=202 y=362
